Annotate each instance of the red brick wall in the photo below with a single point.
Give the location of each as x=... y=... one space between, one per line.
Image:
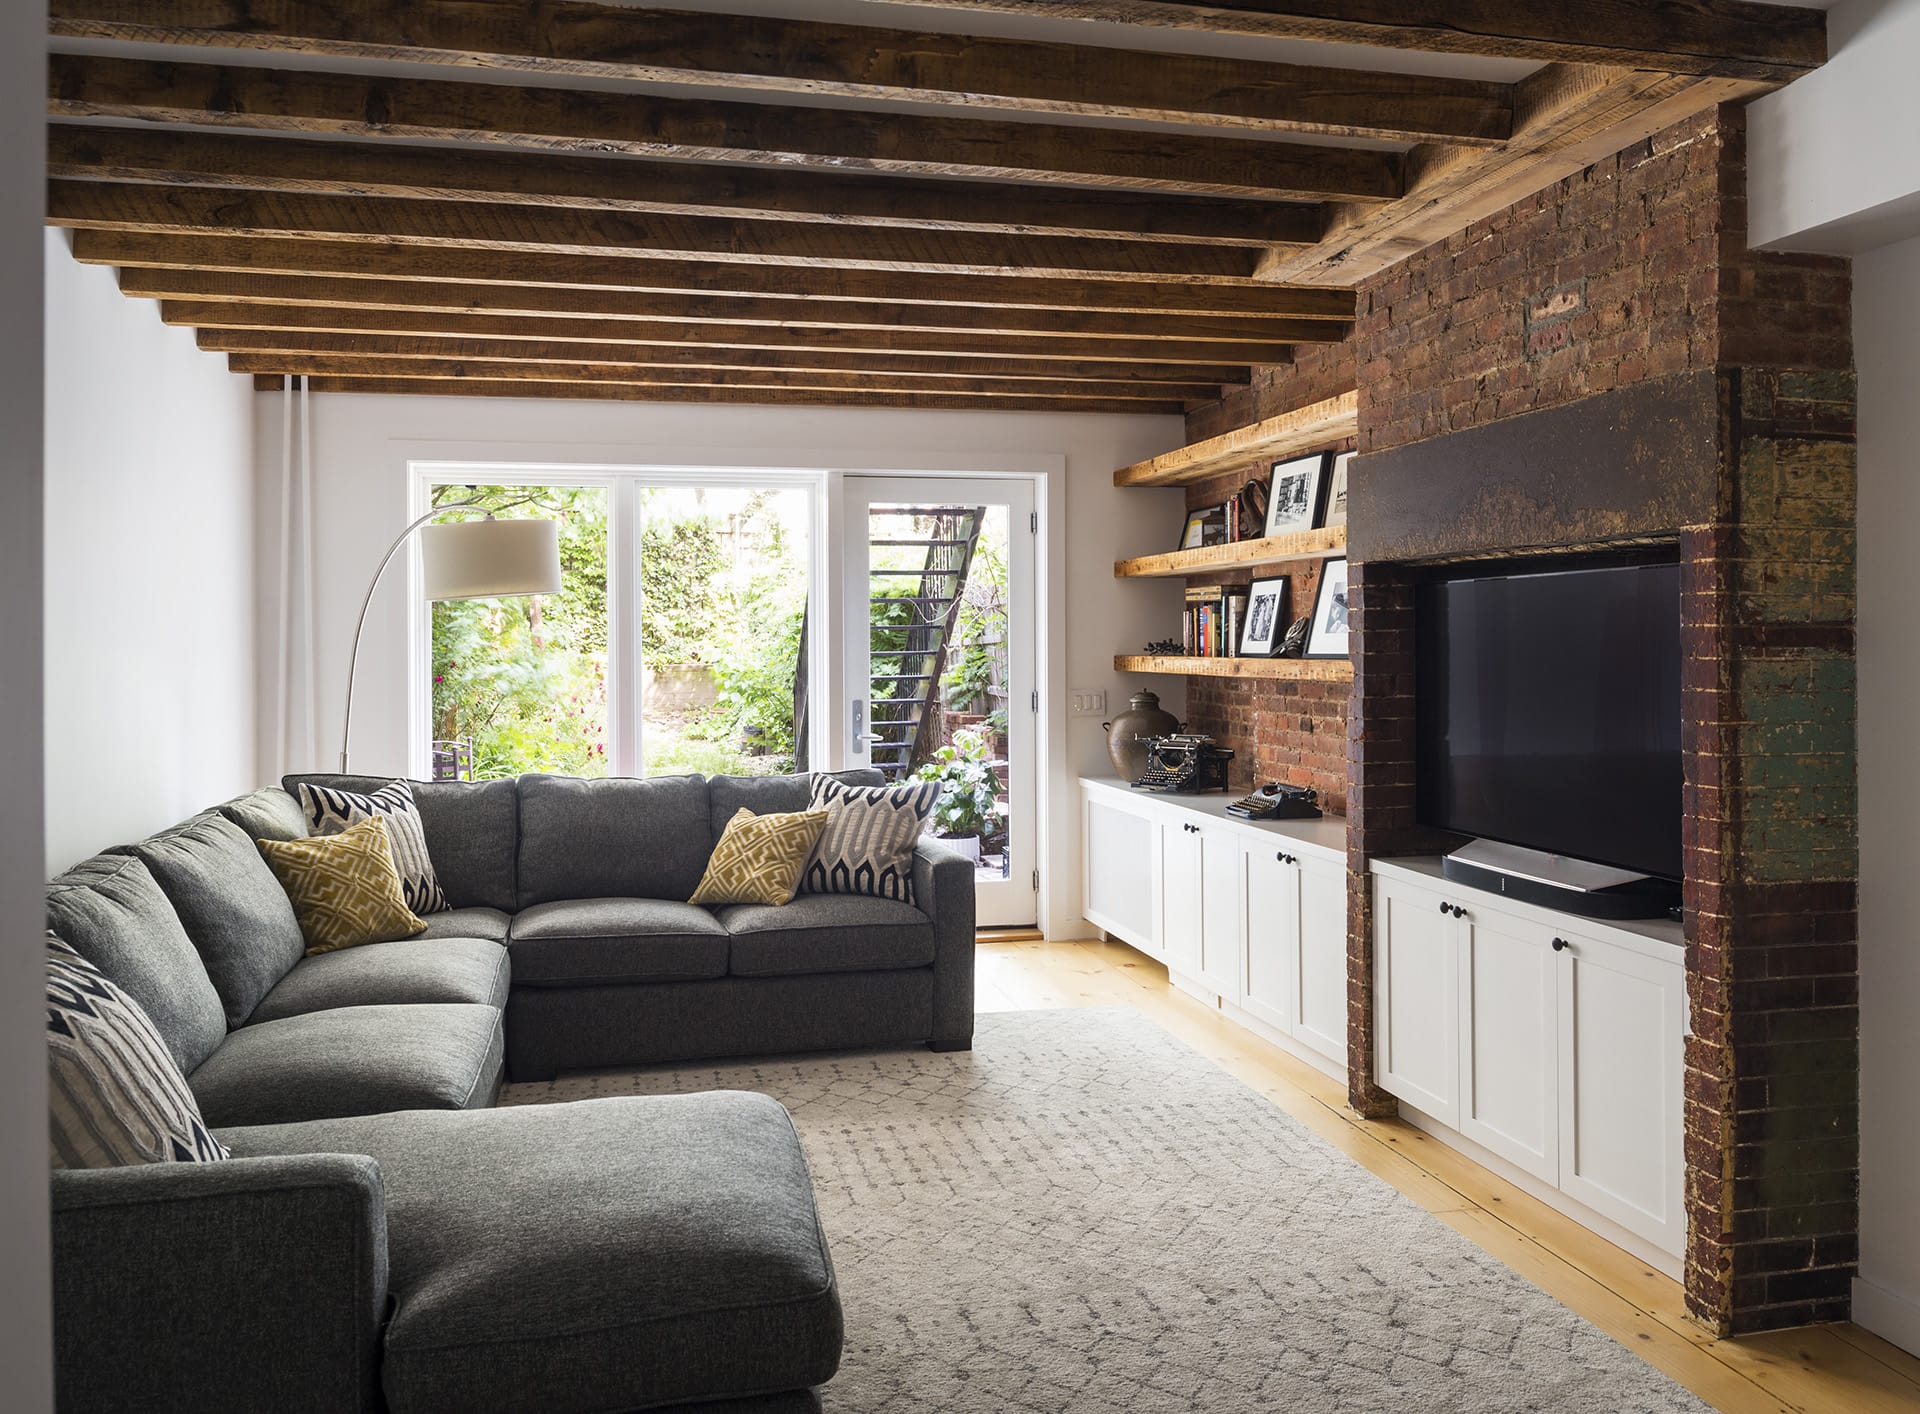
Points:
x=1318 y=372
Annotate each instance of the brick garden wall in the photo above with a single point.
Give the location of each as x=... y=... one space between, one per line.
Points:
x=1632 y=278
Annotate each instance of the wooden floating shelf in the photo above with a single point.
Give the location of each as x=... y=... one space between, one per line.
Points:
x=1304 y=669
x=1293 y=433
x=1241 y=554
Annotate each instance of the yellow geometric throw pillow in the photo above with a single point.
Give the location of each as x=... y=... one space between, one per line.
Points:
x=759 y=858
x=344 y=888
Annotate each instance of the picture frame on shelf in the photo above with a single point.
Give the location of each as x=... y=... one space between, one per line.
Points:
x=1327 y=637
x=1296 y=494
x=1206 y=526
x=1337 y=491
x=1264 y=627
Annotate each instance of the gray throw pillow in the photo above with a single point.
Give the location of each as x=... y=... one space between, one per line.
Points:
x=867 y=845
x=114 y=1095
x=330 y=811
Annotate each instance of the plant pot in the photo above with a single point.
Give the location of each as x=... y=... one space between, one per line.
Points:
x=967 y=846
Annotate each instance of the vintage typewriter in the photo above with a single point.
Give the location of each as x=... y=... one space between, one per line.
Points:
x=1278 y=802
x=1184 y=763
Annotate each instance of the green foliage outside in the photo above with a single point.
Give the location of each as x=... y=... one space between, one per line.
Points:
x=968 y=787
x=980 y=630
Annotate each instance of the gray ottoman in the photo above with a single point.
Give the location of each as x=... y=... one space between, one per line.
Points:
x=615 y=1254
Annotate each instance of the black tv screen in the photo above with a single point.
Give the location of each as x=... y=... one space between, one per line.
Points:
x=1549 y=711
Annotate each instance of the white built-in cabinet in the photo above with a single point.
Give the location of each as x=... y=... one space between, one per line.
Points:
x=1249 y=917
x=1553 y=1043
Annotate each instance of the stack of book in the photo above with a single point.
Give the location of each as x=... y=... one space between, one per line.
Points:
x=1210 y=627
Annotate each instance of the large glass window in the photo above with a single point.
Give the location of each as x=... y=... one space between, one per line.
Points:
x=701 y=630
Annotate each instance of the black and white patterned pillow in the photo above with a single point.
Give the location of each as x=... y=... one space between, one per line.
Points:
x=114 y=1094
x=867 y=846
x=331 y=811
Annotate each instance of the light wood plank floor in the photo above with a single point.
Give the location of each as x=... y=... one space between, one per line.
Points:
x=1818 y=1370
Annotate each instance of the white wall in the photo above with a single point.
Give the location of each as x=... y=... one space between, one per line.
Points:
x=149 y=565
x=1886 y=333
x=362 y=446
x=26 y=1318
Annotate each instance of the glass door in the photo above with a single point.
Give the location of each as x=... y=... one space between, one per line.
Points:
x=940 y=678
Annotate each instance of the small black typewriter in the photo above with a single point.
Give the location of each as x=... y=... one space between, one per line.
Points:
x=1278 y=802
x=1184 y=764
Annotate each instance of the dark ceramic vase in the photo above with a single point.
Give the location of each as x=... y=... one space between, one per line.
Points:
x=1128 y=733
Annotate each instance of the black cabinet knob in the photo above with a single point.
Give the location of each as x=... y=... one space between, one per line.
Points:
x=1446 y=908
x=1561 y=944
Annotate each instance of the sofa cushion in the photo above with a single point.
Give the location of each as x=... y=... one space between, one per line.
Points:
x=621 y=1253
x=727 y=796
x=330 y=811
x=344 y=888
x=232 y=907
x=114 y=1095
x=472 y=829
x=759 y=858
x=115 y=916
x=353 y=1060
x=826 y=933
x=417 y=970
x=614 y=838
x=584 y=941
x=867 y=847
x=489 y=923
x=266 y=814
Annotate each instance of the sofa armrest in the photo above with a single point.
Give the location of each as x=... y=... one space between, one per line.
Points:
x=221 y=1288
x=943 y=890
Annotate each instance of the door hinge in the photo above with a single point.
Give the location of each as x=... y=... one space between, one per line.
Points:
x=1033 y=522
x=1034 y=705
x=1036 y=881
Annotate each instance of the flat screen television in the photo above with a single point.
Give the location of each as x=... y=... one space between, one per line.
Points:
x=1548 y=709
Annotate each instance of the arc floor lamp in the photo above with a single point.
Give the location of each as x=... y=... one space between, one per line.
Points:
x=471 y=559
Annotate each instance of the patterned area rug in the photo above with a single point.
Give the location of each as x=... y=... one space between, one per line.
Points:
x=1082 y=1215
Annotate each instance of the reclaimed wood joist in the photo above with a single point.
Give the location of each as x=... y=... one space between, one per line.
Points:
x=414 y=297
x=732 y=395
x=815 y=282
x=585 y=120
x=198 y=211
x=1708 y=38
x=370 y=169
x=1207 y=377
x=803 y=57
x=264 y=325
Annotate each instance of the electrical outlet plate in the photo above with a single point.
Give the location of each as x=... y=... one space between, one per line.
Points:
x=1088 y=701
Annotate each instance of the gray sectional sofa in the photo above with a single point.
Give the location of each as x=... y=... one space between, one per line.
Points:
x=383 y=1239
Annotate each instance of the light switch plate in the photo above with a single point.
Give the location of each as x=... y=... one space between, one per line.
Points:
x=1088 y=701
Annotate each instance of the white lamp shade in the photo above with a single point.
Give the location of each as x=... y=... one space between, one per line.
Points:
x=490 y=559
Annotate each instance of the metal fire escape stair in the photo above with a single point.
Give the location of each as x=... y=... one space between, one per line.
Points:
x=912 y=631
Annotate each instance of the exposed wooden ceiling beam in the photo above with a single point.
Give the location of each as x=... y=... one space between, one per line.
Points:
x=1709 y=38
x=665 y=356
x=669 y=188
x=197 y=211
x=792 y=56
x=1569 y=116
x=410 y=299
x=821 y=283
x=354 y=366
x=298 y=327
x=309 y=101
x=734 y=396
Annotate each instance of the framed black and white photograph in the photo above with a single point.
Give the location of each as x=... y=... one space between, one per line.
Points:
x=1297 y=494
x=1266 y=618
x=1337 y=490
x=1327 y=638
x=1207 y=526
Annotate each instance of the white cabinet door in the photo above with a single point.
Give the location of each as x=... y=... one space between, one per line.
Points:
x=1221 y=898
x=1273 y=927
x=1416 y=984
x=1509 y=1003
x=1181 y=893
x=1621 y=1018
x=1120 y=851
x=1320 y=978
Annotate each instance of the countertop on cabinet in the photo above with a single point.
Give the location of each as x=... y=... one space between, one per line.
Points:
x=1636 y=932
x=1326 y=836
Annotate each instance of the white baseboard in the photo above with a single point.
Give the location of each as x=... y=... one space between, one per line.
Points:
x=1887 y=1314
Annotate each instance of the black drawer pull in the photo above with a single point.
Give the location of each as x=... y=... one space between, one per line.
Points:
x=1561 y=944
